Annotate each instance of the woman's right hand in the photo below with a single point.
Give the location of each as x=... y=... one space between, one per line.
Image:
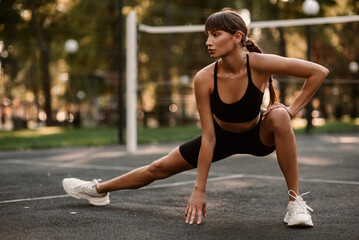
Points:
x=196 y=205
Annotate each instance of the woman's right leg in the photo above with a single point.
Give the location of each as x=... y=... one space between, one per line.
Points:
x=164 y=167
x=98 y=193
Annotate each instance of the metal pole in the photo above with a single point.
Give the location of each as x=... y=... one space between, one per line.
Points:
x=309 y=107
x=131 y=82
x=121 y=111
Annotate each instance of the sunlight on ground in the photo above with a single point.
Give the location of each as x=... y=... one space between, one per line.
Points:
x=49 y=130
x=348 y=139
x=317 y=161
x=39 y=132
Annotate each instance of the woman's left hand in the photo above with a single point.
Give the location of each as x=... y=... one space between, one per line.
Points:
x=275 y=106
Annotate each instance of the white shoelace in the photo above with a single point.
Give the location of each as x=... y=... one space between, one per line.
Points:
x=95 y=181
x=300 y=200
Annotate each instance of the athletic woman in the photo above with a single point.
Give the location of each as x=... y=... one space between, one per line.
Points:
x=229 y=95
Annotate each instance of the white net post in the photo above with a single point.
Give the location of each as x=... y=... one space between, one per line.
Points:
x=131 y=82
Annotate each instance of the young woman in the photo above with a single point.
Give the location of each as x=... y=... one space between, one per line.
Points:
x=228 y=95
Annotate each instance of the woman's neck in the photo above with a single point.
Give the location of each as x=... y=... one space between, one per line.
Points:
x=231 y=63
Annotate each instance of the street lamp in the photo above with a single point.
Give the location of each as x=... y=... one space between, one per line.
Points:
x=354 y=68
x=310 y=8
x=71 y=47
x=183 y=81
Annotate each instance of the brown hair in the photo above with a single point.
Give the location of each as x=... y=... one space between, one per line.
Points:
x=229 y=21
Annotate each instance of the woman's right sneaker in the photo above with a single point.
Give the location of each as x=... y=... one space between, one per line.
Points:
x=298 y=214
x=86 y=190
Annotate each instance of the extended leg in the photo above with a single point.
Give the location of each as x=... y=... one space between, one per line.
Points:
x=164 y=167
x=98 y=193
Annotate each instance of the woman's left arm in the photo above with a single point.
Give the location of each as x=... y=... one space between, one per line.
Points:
x=314 y=73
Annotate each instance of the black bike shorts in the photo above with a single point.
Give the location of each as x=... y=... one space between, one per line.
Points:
x=227 y=144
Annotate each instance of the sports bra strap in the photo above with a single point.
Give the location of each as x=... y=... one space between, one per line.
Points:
x=248 y=69
x=248 y=72
x=215 y=75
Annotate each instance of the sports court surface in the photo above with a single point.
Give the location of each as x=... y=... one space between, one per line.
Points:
x=246 y=196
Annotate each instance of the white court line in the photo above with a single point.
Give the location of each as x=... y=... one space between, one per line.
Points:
x=34 y=199
x=64 y=165
x=213 y=179
x=69 y=165
x=122 y=168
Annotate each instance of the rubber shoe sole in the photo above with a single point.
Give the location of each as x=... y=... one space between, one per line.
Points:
x=299 y=222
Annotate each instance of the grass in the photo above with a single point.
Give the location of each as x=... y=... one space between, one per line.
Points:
x=49 y=137
x=333 y=127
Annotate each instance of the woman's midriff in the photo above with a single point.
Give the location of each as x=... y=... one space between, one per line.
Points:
x=237 y=127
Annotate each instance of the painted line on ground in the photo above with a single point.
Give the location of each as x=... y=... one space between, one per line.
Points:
x=70 y=165
x=193 y=173
x=34 y=199
x=211 y=179
x=64 y=165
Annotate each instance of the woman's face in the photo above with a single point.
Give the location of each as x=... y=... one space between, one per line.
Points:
x=219 y=43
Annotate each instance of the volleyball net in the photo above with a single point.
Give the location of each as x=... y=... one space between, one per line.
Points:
x=176 y=86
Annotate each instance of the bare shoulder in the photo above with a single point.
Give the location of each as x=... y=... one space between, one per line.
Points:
x=205 y=72
x=261 y=60
x=204 y=77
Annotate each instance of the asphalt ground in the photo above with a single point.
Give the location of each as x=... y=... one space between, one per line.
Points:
x=246 y=195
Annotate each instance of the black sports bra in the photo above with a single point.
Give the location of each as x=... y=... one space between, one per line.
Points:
x=245 y=109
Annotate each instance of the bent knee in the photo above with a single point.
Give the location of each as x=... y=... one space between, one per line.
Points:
x=279 y=118
x=279 y=114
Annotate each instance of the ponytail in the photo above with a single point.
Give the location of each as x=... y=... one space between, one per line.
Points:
x=252 y=47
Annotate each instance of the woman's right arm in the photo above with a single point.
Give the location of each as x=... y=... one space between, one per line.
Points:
x=197 y=202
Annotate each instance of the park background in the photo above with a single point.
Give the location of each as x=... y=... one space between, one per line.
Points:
x=62 y=68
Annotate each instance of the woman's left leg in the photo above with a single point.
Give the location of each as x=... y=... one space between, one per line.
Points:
x=276 y=129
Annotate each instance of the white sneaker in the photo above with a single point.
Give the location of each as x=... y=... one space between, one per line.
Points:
x=85 y=190
x=298 y=214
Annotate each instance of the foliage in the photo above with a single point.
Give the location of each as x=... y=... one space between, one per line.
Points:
x=163 y=59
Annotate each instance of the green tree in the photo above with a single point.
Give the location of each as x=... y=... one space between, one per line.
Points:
x=33 y=34
x=172 y=54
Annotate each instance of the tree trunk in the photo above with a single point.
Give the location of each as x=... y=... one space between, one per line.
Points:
x=45 y=60
x=165 y=99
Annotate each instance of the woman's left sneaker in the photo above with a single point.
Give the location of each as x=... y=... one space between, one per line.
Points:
x=297 y=212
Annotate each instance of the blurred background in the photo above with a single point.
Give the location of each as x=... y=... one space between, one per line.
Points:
x=62 y=65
